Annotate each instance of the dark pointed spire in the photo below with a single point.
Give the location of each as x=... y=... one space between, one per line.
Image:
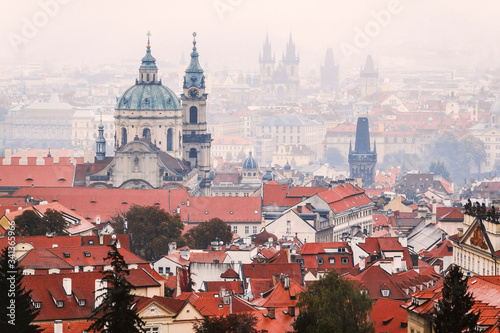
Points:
x=267 y=51
x=290 y=57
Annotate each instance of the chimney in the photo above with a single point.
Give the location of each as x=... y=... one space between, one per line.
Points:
x=118 y=244
x=7 y=211
x=402 y=240
x=362 y=263
x=187 y=202
x=67 y=286
x=58 y=326
x=291 y=310
x=172 y=246
x=185 y=254
x=286 y=282
x=396 y=261
x=271 y=313
x=100 y=291
x=178 y=209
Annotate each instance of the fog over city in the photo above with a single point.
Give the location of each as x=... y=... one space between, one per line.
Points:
x=231 y=32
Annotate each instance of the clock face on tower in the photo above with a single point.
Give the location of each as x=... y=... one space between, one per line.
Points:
x=193 y=92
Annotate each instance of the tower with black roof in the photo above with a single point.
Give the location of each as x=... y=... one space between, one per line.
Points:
x=362 y=159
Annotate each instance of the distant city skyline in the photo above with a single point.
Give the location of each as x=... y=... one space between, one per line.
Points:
x=231 y=32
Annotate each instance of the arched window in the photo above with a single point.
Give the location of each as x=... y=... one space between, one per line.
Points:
x=146 y=133
x=147 y=77
x=193 y=115
x=193 y=153
x=169 y=139
x=124 y=136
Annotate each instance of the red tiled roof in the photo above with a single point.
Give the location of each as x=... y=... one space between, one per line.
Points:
x=229 y=286
x=174 y=305
x=230 y=274
x=210 y=304
x=316 y=248
x=279 y=296
x=344 y=197
x=260 y=286
x=388 y=316
x=105 y=203
x=43 y=259
x=266 y=271
x=36 y=175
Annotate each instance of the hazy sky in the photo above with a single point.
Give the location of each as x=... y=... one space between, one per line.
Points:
x=231 y=32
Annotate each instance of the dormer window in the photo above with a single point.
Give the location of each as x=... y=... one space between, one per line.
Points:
x=91 y=242
x=81 y=302
x=66 y=254
x=37 y=305
x=87 y=254
x=386 y=292
x=60 y=304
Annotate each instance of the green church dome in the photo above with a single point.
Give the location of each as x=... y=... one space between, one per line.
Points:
x=146 y=96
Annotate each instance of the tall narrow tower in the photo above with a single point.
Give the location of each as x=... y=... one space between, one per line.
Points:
x=291 y=61
x=266 y=62
x=369 y=78
x=100 y=143
x=196 y=140
x=329 y=73
x=362 y=160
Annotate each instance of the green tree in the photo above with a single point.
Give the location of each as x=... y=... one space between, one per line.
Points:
x=30 y=223
x=16 y=311
x=459 y=155
x=202 y=235
x=334 y=157
x=453 y=313
x=333 y=304
x=115 y=314
x=233 y=323
x=152 y=228
x=438 y=168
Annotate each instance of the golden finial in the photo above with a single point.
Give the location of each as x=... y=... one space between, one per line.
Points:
x=148 y=34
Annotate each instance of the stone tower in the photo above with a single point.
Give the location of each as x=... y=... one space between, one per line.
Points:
x=195 y=137
x=368 y=78
x=329 y=73
x=362 y=159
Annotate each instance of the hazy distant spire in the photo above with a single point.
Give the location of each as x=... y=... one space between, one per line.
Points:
x=266 y=51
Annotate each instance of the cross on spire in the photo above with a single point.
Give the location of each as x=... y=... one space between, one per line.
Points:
x=148 y=34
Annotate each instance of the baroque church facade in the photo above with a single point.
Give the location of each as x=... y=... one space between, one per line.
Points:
x=161 y=140
x=281 y=82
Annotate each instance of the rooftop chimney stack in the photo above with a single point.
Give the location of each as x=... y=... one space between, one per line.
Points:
x=67 y=286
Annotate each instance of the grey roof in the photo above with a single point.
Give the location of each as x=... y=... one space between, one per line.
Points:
x=423 y=237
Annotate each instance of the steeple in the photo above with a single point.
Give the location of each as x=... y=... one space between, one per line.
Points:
x=290 y=57
x=148 y=72
x=266 y=54
x=194 y=73
x=100 y=143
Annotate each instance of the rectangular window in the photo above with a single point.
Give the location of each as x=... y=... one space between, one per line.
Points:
x=247 y=229
x=160 y=270
x=235 y=229
x=254 y=229
x=331 y=261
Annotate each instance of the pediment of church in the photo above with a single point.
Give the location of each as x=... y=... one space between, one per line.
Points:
x=474 y=236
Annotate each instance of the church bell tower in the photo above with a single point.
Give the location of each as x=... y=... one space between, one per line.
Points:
x=196 y=140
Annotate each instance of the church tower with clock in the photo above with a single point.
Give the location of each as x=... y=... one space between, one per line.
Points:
x=196 y=140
